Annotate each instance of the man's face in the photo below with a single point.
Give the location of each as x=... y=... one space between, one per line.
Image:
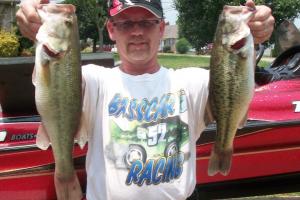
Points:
x=137 y=33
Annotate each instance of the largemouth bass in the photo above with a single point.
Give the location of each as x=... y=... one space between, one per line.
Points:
x=58 y=93
x=231 y=82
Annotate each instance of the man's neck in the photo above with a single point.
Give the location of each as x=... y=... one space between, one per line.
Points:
x=139 y=69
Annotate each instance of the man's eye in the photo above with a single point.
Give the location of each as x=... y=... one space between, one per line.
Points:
x=146 y=23
x=127 y=24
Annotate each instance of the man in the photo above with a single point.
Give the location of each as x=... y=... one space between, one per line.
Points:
x=144 y=120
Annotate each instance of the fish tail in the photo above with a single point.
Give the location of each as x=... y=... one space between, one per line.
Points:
x=67 y=188
x=220 y=161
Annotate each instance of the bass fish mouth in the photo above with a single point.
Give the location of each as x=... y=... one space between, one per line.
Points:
x=52 y=53
x=239 y=44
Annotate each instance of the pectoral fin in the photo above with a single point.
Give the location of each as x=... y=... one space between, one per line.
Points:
x=243 y=122
x=34 y=76
x=42 y=138
x=81 y=136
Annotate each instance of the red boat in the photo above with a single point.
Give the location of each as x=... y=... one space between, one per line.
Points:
x=266 y=151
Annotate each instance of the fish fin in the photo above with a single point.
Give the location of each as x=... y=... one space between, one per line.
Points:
x=220 y=162
x=81 y=136
x=33 y=79
x=42 y=139
x=208 y=117
x=67 y=188
x=243 y=122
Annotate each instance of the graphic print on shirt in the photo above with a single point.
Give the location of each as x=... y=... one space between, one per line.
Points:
x=148 y=137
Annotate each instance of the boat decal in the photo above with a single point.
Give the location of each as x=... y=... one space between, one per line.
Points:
x=252 y=127
x=22 y=137
x=31 y=118
x=258 y=151
x=10 y=149
x=297 y=106
x=3 y=134
x=79 y=163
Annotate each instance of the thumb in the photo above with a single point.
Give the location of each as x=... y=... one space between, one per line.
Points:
x=250 y=4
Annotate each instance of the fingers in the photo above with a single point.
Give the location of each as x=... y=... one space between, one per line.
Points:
x=29 y=11
x=28 y=19
x=262 y=24
x=60 y=8
x=250 y=4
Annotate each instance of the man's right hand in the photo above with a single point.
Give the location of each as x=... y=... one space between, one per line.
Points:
x=28 y=19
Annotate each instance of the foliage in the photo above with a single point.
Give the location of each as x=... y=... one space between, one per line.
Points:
x=282 y=9
x=197 y=20
x=9 y=44
x=167 y=49
x=28 y=51
x=91 y=19
x=26 y=47
x=182 y=46
x=25 y=43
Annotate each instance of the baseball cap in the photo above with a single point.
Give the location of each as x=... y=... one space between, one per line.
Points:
x=117 y=6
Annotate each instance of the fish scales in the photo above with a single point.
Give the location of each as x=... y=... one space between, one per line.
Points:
x=231 y=83
x=58 y=93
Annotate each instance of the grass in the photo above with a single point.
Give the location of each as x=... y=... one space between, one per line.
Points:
x=180 y=61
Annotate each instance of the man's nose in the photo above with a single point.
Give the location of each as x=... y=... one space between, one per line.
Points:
x=137 y=29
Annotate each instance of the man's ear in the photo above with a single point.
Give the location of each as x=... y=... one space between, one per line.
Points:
x=110 y=29
x=162 y=26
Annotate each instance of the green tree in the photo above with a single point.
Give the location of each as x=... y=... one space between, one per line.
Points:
x=182 y=46
x=91 y=19
x=197 y=20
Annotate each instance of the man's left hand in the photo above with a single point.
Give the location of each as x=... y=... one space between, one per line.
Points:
x=262 y=23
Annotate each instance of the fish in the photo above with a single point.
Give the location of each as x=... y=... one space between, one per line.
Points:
x=287 y=35
x=58 y=94
x=231 y=85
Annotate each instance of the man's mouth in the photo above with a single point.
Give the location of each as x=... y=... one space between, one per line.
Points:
x=137 y=44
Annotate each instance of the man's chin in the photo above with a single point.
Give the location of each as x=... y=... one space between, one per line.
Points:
x=139 y=57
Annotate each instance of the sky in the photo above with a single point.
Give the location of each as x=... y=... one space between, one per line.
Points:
x=297 y=22
x=169 y=11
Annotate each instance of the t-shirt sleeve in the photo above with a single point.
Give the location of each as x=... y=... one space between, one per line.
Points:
x=197 y=88
x=91 y=87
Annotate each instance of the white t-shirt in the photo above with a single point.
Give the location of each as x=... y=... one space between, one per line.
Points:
x=143 y=132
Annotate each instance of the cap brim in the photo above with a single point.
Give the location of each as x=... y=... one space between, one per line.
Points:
x=154 y=11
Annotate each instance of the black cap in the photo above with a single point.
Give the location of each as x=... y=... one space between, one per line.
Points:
x=117 y=6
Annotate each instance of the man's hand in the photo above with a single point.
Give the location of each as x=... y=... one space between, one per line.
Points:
x=28 y=19
x=262 y=24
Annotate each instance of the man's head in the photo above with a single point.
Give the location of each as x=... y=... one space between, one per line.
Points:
x=117 y=6
x=137 y=27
